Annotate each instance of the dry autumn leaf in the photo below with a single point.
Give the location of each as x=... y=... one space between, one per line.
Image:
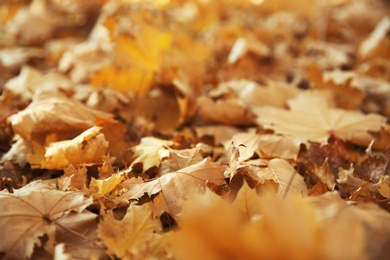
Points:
x=135 y=236
x=32 y=212
x=150 y=152
x=174 y=188
x=317 y=123
x=87 y=148
x=181 y=129
x=53 y=112
x=289 y=181
x=265 y=145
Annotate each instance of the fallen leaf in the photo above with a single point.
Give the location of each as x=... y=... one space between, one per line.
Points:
x=229 y=112
x=87 y=148
x=53 y=112
x=131 y=237
x=176 y=187
x=150 y=152
x=317 y=123
x=289 y=181
x=100 y=188
x=37 y=209
x=265 y=145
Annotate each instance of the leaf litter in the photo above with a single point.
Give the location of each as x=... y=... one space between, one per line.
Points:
x=184 y=129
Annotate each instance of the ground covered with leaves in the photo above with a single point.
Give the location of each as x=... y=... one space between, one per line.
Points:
x=194 y=129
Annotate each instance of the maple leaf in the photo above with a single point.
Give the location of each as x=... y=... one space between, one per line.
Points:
x=79 y=237
x=175 y=187
x=281 y=172
x=317 y=123
x=134 y=236
x=37 y=209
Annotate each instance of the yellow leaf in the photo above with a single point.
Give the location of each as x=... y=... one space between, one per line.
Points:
x=290 y=182
x=100 y=188
x=176 y=187
x=130 y=237
x=317 y=122
x=33 y=211
x=88 y=148
x=150 y=152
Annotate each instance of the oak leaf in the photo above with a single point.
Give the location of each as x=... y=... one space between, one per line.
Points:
x=37 y=209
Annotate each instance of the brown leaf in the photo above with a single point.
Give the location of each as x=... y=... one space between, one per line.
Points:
x=53 y=112
x=132 y=237
x=33 y=211
x=289 y=181
x=229 y=112
x=150 y=152
x=265 y=145
x=87 y=148
x=175 y=187
x=317 y=123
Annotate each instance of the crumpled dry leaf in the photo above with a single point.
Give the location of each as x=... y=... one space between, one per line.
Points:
x=35 y=211
x=265 y=145
x=100 y=188
x=87 y=148
x=53 y=112
x=220 y=133
x=176 y=187
x=135 y=236
x=150 y=152
x=346 y=95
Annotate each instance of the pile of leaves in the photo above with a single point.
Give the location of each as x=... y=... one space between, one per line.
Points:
x=195 y=129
